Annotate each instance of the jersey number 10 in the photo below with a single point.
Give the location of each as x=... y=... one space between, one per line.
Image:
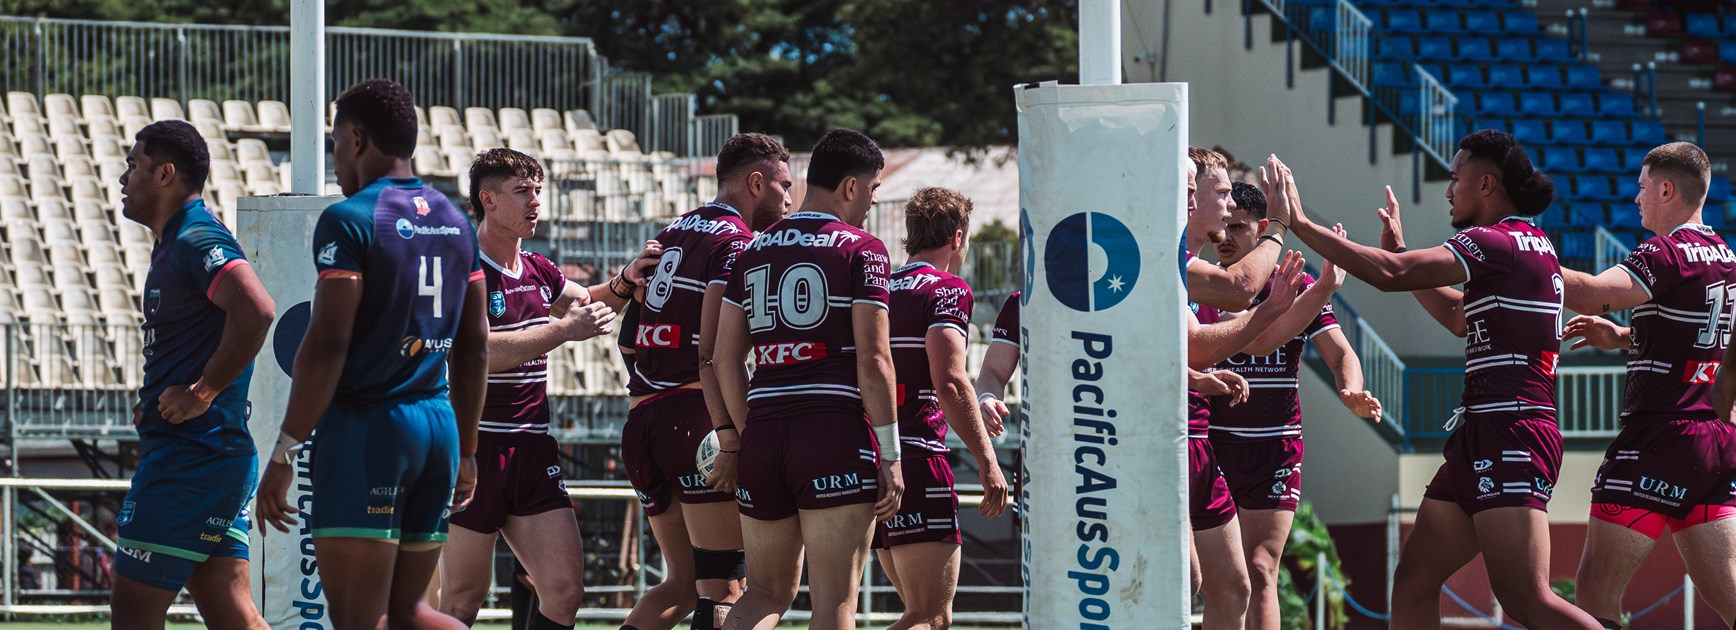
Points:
x=801 y=297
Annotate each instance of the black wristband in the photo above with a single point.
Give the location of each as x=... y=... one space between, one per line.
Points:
x=1272 y=238
x=623 y=278
x=1401 y=250
x=727 y=427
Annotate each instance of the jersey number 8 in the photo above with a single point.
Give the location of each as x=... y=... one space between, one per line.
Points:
x=800 y=298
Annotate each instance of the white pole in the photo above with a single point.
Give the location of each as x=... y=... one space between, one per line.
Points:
x=1687 y=603
x=307 y=97
x=1320 y=586
x=1100 y=42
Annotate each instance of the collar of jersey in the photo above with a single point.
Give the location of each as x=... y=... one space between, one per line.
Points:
x=180 y=217
x=402 y=182
x=1531 y=221
x=815 y=214
x=912 y=265
x=499 y=267
x=724 y=206
x=1697 y=227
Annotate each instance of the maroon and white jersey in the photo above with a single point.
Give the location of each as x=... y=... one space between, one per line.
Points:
x=1679 y=334
x=699 y=249
x=923 y=298
x=797 y=284
x=1512 y=306
x=1199 y=406
x=1007 y=322
x=517 y=400
x=1273 y=409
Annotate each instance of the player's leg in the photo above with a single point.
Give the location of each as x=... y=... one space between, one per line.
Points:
x=353 y=572
x=466 y=572
x=926 y=579
x=1441 y=542
x=667 y=603
x=134 y=605
x=718 y=559
x=837 y=542
x=553 y=553
x=1709 y=550
x=1617 y=540
x=1223 y=575
x=1515 y=546
x=1264 y=533
x=426 y=506
x=774 y=573
x=221 y=590
x=889 y=566
x=407 y=603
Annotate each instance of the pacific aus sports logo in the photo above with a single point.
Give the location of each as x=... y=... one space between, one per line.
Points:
x=1091 y=261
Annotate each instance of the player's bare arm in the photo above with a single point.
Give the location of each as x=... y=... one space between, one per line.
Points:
x=947 y=351
x=319 y=363
x=1407 y=270
x=1613 y=290
x=874 y=378
x=510 y=349
x=729 y=363
x=997 y=369
x=727 y=427
x=1346 y=368
x=247 y=314
x=1295 y=320
x=1212 y=343
x=468 y=377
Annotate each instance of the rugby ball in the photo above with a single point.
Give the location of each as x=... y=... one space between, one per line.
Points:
x=706 y=459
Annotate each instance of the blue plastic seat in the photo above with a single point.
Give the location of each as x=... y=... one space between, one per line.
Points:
x=1727 y=51
x=1435 y=48
x=1625 y=216
x=1498 y=124
x=1396 y=47
x=1407 y=102
x=1475 y=49
x=1593 y=187
x=1626 y=187
x=1634 y=157
x=1444 y=21
x=1506 y=76
x=1587 y=213
x=1387 y=73
x=1543 y=77
x=1582 y=76
x=1499 y=104
x=1616 y=104
x=1730 y=23
x=1578 y=104
x=1322 y=20
x=1466 y=76
x=1537 y=104
x=1719 y=190
x=1514 y=49
x=1648 y=132
x=1568 y=132
x=1602 y=160
x=1530 y=131
x=1561 y=160
x=1577 y=245
x=1521 y=23
x=1609 y=132
x=1554 y=50
x=1483 y=22
x=1403 y=21
x=1704 y=25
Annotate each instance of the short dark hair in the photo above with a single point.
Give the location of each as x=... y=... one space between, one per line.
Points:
x=178 y=142
x=493 y=166
x=1530 y=189
x=843 y=153
x=746 y=149
x=1249 y=199
x=385 y=112
x=932 y=216
x=1682 y=163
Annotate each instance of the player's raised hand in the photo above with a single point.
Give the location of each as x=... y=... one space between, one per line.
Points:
x=1278 y=209
x=585 y=322
x=1330 y=272
x=994 y=413
x=1391 y=231
x=273 y=498
x=1361 y=403
x=1290 y=281
x=994 y=491
x=1594 y=331
x=891 y=490
x=465 y=489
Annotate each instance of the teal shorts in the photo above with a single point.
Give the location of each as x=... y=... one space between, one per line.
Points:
x=385 y=473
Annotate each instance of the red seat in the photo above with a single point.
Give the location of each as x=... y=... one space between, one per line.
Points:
x=1699 y=51
x=1661 y=24
x=1724 y=79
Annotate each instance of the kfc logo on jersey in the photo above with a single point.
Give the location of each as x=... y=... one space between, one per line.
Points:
x=788 y=353
x=658 y=336
x=1700 y=372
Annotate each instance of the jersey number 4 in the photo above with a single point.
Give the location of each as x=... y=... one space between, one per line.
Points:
x=800 y=297
x=431 y=284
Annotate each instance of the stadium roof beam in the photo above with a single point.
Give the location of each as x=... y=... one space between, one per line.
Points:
x=307 y=97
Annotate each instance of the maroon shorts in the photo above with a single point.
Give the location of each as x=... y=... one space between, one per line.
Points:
x=928 y=511
x=1498 y=460
x=517 y=474
x=1209 y=503
x=1669 y=467
x=658 y=446
x=813 y=462
x=1263 y=475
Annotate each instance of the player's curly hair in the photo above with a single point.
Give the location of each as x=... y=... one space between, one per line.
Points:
x=1531 y=190
x=385 y=112
x=843 y=153
x=933 y=216
x=1249 y=199
x=746 y=149
x=1682 y=163
x=179 y=143
x=494 y=166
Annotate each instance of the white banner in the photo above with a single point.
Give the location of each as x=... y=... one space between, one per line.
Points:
x=276 y=234
x=1102 y=195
